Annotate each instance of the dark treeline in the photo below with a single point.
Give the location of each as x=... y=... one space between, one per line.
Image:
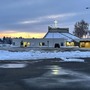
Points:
x=6 y=40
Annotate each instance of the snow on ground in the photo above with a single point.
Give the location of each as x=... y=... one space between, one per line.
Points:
x=7 y=55
x=72 y=60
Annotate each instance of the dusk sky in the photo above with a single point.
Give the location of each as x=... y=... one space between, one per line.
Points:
x=31 y=18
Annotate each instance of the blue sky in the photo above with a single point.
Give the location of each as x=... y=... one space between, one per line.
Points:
x=34 y=16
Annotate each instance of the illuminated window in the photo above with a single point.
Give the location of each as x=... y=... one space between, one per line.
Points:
x=41 y=44
x=28 y=44
x=87 y=44
x=82 y=44
x=72 y=43
x=67 y=43
x=25 y=44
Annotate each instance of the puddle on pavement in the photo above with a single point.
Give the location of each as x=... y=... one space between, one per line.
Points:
x=13 y=65
x=59 y=77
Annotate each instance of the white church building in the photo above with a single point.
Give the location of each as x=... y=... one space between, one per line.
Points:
x=55 y=37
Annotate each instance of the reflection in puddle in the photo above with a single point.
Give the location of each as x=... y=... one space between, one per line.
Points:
x=56 y=70
x=60 y=78
x=12 y=65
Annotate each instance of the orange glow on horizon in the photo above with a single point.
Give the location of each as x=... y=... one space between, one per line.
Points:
x=22 y=34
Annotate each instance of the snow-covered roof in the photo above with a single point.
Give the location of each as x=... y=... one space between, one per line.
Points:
x=70 y=35
x=66 y=36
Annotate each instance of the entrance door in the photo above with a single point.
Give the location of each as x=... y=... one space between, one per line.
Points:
x=56 y=45
x=21 y=43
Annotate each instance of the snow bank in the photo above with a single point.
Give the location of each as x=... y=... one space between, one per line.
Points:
x=72 y=60
x=7 y=55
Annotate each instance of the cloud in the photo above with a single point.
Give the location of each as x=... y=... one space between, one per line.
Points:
x=30 y=22
x=9 y=31
x=44 y=18
x=36 y=15
x=66 y=15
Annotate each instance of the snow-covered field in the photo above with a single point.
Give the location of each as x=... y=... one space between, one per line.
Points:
x=33 y=55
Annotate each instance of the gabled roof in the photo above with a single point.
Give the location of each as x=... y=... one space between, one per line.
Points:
x=67 y=36
x=60 y=33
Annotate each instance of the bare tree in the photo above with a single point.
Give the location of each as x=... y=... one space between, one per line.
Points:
x=81 y=28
